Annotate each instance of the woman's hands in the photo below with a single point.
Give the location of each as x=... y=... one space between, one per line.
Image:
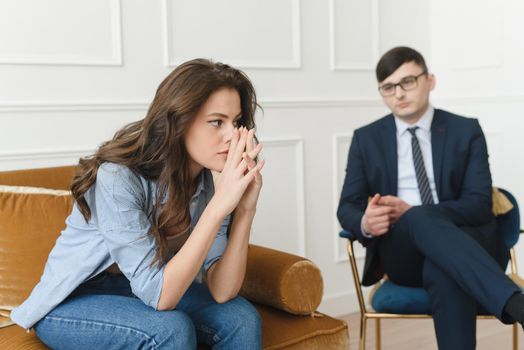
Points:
x=236 y=186
x=239 y=183
x=248 y=202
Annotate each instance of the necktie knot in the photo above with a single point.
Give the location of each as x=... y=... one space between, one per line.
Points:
x=413 y=130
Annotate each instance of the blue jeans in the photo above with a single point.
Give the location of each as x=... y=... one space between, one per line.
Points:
x=103 y=313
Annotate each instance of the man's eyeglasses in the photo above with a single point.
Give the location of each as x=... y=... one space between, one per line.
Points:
x=407 y=83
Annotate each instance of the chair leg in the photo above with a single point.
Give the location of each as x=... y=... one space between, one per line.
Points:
x=515 y=336
x=377 y=334
x=363 y=323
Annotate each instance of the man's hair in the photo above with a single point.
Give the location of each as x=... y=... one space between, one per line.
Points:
x=396 y=57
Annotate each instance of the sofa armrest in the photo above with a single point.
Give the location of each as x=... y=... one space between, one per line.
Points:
x=287 y=282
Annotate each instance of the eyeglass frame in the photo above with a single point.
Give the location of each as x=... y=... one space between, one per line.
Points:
x=402 y=81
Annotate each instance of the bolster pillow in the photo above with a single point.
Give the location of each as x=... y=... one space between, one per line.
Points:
x=284 y=281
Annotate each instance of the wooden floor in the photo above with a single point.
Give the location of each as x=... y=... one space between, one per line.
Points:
x=420 y=335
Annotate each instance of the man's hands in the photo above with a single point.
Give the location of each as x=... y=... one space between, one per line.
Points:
x=381 y=213
x=376 y=219
x=399 y=207
x=239 y=183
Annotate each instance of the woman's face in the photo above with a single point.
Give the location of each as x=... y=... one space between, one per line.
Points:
x=209 y=134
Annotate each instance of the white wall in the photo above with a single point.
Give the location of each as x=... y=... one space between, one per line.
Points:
x=73 y=72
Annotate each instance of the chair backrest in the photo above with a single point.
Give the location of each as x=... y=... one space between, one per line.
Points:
x=509 y=223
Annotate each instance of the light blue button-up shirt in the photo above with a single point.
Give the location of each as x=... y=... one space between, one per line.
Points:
x=121 y=204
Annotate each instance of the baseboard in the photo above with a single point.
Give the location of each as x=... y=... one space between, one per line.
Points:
x=339 y=304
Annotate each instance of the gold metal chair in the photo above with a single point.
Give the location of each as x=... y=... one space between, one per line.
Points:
x=511 y=232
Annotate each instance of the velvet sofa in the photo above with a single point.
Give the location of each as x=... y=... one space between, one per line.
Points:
x=286 y=289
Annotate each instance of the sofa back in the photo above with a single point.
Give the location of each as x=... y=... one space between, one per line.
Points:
x=31 y=219
x=56 y=178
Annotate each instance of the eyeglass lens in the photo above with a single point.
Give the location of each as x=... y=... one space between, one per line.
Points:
x=408 y=83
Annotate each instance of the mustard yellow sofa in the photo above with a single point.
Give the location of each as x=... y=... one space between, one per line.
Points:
x=286 y=289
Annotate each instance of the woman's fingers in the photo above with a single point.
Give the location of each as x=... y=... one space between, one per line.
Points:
x=232 y=145
x=250 y=142
x=240 y=159
x=255 y=151
x=239 y=147
x=252 y=150
x=242 y=167
x=253 y=172
x=251 y=163
x=242 y=141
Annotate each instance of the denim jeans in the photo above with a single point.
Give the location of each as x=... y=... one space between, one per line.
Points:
x=103 y=313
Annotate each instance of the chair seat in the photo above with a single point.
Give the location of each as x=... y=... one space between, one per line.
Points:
x=392 y=298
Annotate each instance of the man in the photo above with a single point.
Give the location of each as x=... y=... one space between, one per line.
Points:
x=429 y=222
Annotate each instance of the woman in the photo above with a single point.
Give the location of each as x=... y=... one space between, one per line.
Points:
x=170 y=197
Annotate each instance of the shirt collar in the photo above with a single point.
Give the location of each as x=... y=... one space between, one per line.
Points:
x=423 y=123
x=202 y=184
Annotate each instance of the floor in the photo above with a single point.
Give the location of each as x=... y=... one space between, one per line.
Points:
x=419 y=334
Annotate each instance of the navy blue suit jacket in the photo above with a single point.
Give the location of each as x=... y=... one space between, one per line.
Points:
x=461 y=170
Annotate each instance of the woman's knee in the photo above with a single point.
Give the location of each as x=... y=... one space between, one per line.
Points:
x=246 y=319
x=173 y=330
x=155 y=330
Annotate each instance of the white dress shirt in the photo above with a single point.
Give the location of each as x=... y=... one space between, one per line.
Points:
x=407 y=187
x=407 y=180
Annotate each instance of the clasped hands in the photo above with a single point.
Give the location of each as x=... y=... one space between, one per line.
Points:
x=382 y=212
x=238 y=185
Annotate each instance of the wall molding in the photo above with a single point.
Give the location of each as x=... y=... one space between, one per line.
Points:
x=496 y=27
x=360 y=253
x=298 y=144
x=370 y=66
x=295 y=63
x=337 y=139
x=490 y=99
x=479 y=66
x=114 y=60
x=71 y=106
x=322 y=103
x=45 y=155
x=68 y=106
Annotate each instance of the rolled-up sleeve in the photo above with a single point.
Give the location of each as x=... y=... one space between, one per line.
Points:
x=122 y=219
x=219 y=245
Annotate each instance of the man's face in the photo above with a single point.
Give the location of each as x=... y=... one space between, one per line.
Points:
x=412 y=104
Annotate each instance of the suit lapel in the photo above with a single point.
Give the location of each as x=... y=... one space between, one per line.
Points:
x=389 y=146
x=438 y=137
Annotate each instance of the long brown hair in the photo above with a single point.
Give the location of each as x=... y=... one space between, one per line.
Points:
x=154 y=146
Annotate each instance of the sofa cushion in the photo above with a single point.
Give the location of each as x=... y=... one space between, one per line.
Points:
x=280 y=330
x=17 y=338
x=30 y=222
